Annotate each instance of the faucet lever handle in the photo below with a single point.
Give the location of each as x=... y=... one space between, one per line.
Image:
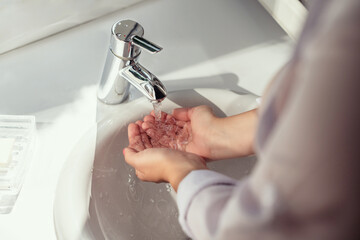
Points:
x=147 y=45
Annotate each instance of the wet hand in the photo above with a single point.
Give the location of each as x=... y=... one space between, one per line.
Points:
x=186 y=129
x=164 y=133
x=162 y=164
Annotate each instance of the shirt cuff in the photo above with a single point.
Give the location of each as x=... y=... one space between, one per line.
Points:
x=191 y=185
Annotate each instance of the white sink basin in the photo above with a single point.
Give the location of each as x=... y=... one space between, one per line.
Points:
x=98 y=195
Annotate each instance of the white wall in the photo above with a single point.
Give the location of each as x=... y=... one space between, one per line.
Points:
x=25 y=21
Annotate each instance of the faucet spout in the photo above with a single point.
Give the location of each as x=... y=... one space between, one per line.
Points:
x=143 y=80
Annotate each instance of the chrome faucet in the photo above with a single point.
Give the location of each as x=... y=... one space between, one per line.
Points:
x=122 y=67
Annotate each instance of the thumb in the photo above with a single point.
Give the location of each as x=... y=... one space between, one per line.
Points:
x=129 y=154
x=181 y=114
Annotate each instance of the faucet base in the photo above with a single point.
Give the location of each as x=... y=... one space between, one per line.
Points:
x=113 y=89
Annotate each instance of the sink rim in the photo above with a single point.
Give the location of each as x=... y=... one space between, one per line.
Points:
x=81 y=149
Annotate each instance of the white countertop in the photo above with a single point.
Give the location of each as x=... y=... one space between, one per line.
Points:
x=221 y=44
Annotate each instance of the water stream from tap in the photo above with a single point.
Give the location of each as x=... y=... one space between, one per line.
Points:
x=157 y=111
x=175 y=137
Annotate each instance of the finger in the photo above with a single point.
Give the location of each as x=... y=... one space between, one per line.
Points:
x=139 y=123
x=170 y=120
x=141 y=129
x=154 y=138
x=129 y=154
x=168 y=117
x=163 y=116
x=180 y=123
x=146 y=177
x=133 y=130
x=145 y=140
x=149 y=118
x=152 y=133
x=155 y=143
x=181 y=114
x=134 y=158
x=135 y=140
x=138 y=160
x=148 y=125
x=140 y=175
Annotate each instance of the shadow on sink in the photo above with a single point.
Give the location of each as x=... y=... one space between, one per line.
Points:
x=115 y=204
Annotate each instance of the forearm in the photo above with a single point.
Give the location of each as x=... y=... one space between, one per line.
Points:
x=234 y=136
x=237 y=133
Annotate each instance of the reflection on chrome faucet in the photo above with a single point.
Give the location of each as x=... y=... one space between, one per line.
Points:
x=122 y=67
x=144 y=81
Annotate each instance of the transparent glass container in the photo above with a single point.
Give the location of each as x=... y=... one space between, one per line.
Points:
x=21 y=132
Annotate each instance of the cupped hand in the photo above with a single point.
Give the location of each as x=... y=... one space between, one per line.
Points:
x=203 y=125
x=152 y=157
x=162 y=164
x=166 y=132
x=186 y=129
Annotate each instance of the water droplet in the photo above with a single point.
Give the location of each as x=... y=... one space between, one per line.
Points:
x=152 y=200
x=161 y=206
x=168 y=187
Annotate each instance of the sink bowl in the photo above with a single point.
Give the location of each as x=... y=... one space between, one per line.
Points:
x=99 y=196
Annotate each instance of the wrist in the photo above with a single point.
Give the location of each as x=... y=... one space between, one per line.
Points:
x=181 y=171
x=175 y=179
x=215 y=137
x=233 y=136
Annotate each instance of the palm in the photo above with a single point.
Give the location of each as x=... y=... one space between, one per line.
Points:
x=174 y=131
x=198 y=144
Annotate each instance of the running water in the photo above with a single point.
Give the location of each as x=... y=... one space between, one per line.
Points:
x=170 y=132
x=157 y=111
